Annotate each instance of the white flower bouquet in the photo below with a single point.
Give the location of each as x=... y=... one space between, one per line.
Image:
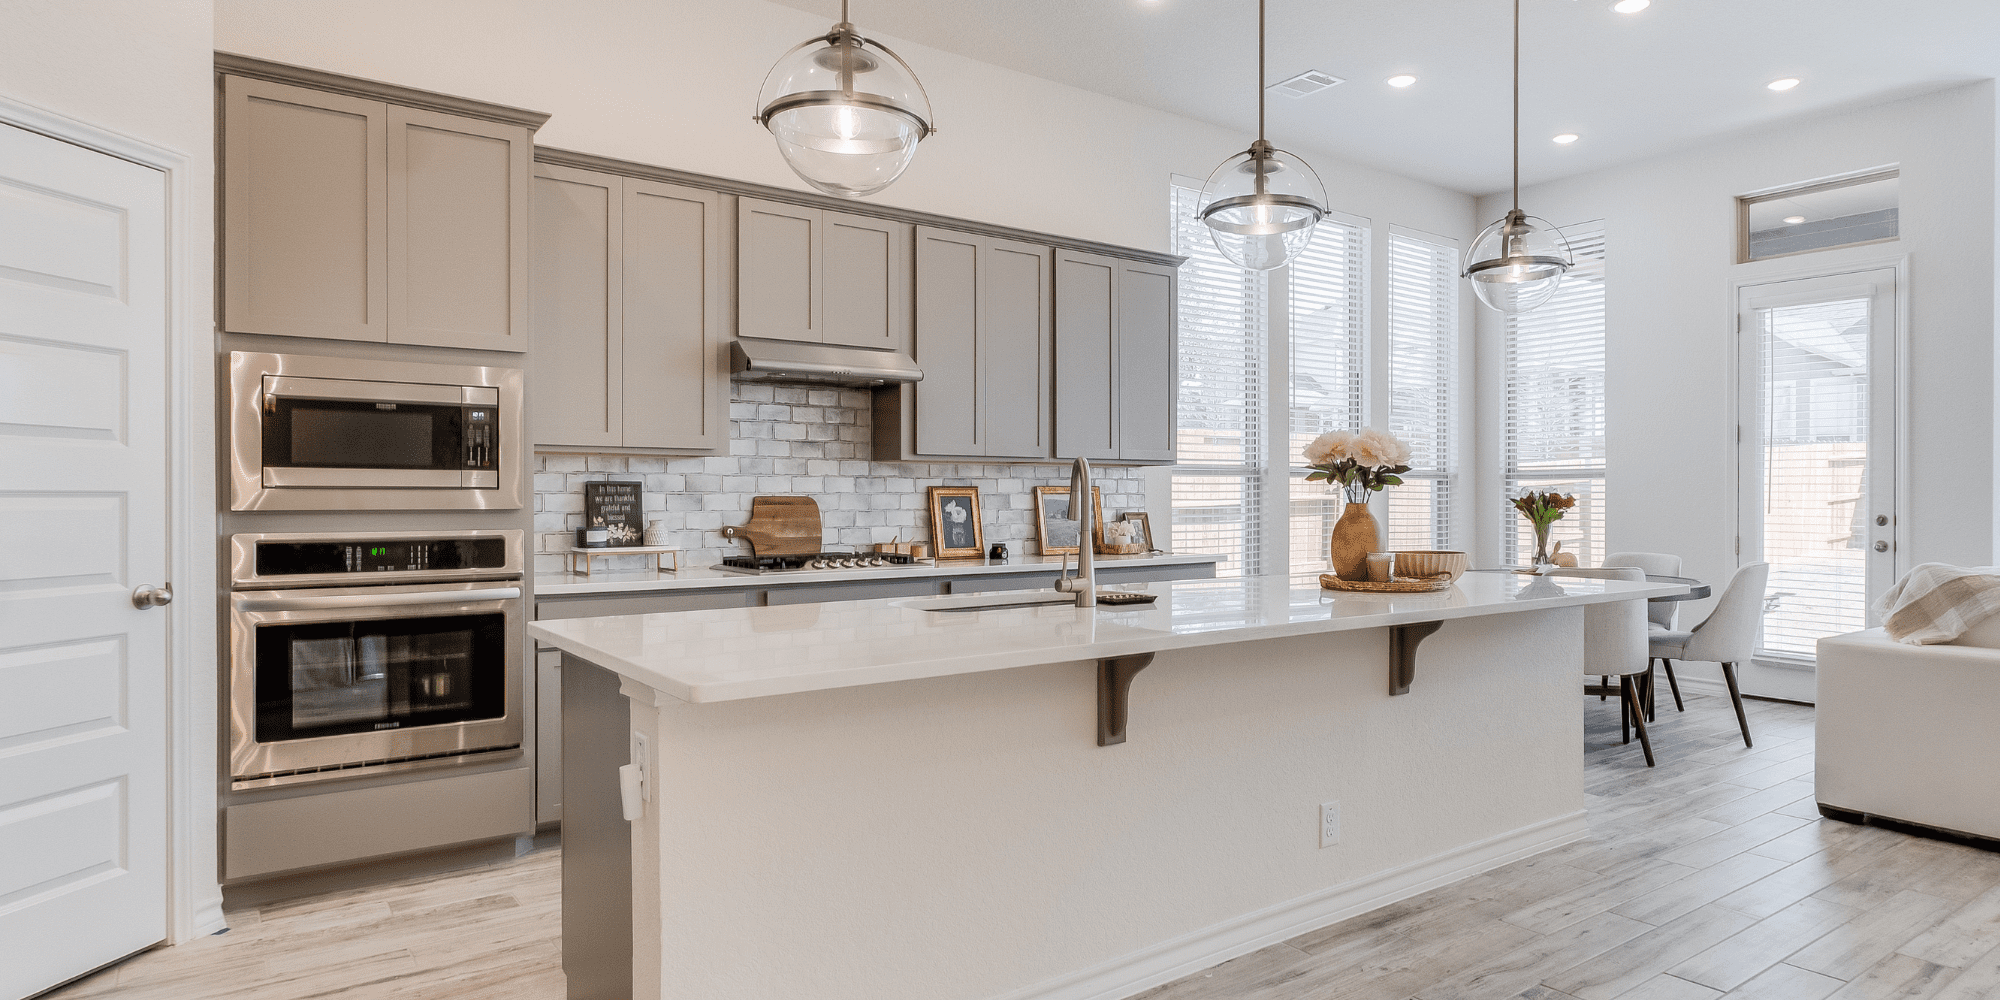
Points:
x=1363 y=461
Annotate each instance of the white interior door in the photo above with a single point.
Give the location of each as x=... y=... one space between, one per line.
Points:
x=83 y=339
x=1818 y=456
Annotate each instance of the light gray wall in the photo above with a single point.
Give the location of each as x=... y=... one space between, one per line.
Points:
x=1670 y=225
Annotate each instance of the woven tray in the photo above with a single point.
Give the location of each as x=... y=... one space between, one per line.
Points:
x=1421 y=585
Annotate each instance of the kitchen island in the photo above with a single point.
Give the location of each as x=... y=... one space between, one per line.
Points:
x=911 y=798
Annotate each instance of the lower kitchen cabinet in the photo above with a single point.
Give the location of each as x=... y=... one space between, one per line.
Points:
x=1116 y=339
x=629 y=352
x=548 y=736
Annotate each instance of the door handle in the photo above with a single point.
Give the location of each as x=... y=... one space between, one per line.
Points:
x=148 y=596
x=1881 y=546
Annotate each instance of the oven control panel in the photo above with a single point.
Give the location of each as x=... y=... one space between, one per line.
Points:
x=338 y=559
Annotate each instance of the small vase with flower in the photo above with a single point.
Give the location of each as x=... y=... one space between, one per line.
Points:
x=1543 y=510
x=1361 y=463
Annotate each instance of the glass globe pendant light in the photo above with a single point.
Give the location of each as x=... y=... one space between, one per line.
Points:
x=1517 y=263
x=847 y=112
x=1261 y=205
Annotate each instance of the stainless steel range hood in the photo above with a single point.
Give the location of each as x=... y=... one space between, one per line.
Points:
x=819 y=364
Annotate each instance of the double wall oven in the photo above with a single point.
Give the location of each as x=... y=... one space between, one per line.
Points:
x=372 y=652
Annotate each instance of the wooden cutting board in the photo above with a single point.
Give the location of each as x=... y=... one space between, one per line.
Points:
x=780 y=526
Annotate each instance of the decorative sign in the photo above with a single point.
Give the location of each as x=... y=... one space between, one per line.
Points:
x=618 y=508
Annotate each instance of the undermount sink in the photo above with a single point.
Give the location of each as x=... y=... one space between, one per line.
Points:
x=987 y=602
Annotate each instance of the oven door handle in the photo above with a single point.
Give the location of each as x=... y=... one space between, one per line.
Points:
x=366 y=601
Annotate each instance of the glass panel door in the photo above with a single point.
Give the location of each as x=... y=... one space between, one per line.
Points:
x=1817 y=455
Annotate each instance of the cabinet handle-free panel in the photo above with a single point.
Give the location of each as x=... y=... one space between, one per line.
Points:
x=1014 y=348
x=672 y=341
x=1147 y=307
x=1086 y=355
x=573 y=371
x=458 y=231
x=865 y=266
x=948 y=400
x=778 y=271
x=305 y=208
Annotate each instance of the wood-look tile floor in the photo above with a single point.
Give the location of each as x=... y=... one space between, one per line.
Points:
x=1709 y=876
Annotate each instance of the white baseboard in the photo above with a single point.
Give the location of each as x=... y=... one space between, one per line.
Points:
x=1211 y=946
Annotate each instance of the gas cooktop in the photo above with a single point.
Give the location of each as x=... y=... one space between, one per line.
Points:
x=814 y=561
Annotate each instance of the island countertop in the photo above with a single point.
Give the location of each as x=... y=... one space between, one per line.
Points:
x=738 y=653
x=709 y=578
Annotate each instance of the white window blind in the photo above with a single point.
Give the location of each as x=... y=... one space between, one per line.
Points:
x=1813 y=423
x=1224 y=378
x=1329 y=372
x=1423 y=388
x=1554 y=428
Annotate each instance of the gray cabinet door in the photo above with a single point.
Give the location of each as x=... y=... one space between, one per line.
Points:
x=458 y=231
x=548 y=736
x=948 y=402
x=865 y=271
x=1148 y=304
x=778 y=271
x=1086 y=385
x=305 y=205
x=573 y=378
x=1014 y=348
x=674 y=369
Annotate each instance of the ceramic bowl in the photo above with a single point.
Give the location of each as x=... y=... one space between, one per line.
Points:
x=1430 y=562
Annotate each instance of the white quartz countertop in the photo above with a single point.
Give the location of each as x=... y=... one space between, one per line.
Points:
x=737 y=653
x=706 y=578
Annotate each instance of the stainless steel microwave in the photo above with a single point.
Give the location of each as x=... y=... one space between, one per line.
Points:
x=311 y=433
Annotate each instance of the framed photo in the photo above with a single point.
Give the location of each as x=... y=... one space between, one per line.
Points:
x=955 y=530
x=1055 y=527
x=1145 y=528
x=618 y=508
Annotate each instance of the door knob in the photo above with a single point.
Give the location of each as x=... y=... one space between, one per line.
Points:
x=153 y=597
x=1881 y=546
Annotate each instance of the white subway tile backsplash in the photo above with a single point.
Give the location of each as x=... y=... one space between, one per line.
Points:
x=794 y=441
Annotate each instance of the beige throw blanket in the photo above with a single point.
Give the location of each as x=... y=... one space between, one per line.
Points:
x=1936 y=603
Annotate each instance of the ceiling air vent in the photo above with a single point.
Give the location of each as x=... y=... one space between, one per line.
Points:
x=1311 y=81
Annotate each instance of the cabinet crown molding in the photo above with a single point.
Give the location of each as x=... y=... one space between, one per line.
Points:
x=765 y=192
x=231 y=64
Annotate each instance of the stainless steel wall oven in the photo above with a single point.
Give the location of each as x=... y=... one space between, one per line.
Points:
x=310 y=433
x=373 y=652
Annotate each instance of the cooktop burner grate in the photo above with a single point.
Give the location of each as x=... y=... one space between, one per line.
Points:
x=816 y=560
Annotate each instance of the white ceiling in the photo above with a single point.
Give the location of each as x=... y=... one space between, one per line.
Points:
x=1631 y=85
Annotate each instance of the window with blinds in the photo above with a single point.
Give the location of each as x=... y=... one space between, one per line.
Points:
x=1328 y=328
x=1224 y=374
x=1554 y=425
x=1423 y=387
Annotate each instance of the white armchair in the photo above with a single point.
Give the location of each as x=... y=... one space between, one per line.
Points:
x=1614 y=645
x=1728 y=636
x=1910 y=733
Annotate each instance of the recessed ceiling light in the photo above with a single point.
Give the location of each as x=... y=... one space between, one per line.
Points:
x=1566 y=138
x=1785 y=84
x=1793 y=220
x=1401 y=81
x=1631 y=6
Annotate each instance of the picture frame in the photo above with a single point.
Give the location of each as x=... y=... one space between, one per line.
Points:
x=956 y=531
x=1052 y=505
x=1145 y=528
x=618 y=508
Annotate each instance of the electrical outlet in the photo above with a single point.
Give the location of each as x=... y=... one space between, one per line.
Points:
x=639 y=760
x=1329 y=824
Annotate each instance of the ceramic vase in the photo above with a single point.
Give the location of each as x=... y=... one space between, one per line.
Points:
x=1356 y=534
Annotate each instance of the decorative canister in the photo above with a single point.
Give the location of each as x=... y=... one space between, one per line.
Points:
x=593 y=538
x=656 y=533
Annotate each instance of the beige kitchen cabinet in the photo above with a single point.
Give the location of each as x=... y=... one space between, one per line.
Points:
x=358 y=219
x=1115 y=342
x=629 y=352
x=982 y=337
x=821 y=276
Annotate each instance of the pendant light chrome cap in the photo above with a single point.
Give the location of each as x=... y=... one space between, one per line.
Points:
x=1517 y=263
x=847 y=112
x=1262 y=207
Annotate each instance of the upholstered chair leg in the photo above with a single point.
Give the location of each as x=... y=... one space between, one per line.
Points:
x=1624 y=708
x=1603 y=682
x=1652 y=695
x=1736 y=698
x=1673 y=684
x=1636 y=714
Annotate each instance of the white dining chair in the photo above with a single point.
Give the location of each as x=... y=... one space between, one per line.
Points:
x=1614 y=645
x=1728 y=636
x=1660 y=615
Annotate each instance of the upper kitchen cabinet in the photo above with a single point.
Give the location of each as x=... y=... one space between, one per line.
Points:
x=821 y=276
x=629 y=350
x=1115 y=358
x=983 y=322
x=356 y=210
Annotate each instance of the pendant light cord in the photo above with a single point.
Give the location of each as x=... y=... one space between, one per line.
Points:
x=1517 y=104
x=1260 y=67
